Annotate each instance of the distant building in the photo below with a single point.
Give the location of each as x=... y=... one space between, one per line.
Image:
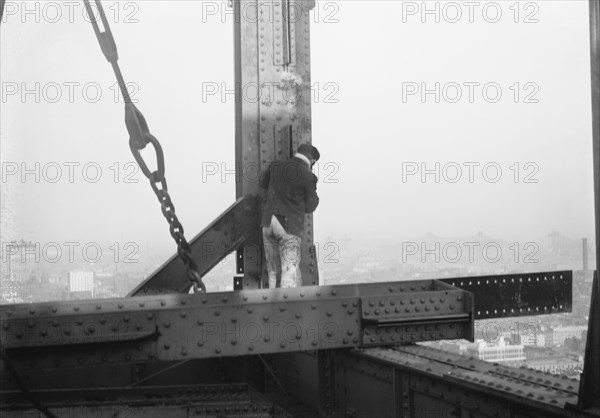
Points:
x=557 y=364
x=19 y=260
x=499 y=352
x=534 y=339
x=81 y=284
x=560 y=334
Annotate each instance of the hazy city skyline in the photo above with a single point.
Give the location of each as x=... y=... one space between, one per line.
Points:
x=371 y=126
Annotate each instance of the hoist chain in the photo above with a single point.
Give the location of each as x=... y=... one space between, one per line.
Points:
x=139 y=137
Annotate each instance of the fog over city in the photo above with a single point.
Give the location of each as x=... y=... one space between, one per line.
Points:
x=426 y=123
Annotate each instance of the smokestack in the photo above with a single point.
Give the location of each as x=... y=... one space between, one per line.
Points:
x=585 y=255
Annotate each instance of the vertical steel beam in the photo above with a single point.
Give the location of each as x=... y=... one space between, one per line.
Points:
x=247 y=140
x=590 y=380
x=273 y=104
x=589 y=385
x=595 y=60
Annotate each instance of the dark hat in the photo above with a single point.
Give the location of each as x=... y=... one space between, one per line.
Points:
x=309 y=151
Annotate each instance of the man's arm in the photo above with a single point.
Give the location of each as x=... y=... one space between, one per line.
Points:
x=311 y=199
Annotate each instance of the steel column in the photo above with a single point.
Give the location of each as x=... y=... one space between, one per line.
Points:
x=272 y=70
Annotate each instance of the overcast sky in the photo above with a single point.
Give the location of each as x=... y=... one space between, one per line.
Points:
x=370 y=62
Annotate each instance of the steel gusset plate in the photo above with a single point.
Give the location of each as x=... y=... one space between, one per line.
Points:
x=523 y=294
x=224 y=235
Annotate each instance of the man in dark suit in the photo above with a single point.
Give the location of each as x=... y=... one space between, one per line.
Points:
x=290 y=189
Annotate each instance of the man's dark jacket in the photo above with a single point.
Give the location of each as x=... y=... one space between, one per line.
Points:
x=291 y=193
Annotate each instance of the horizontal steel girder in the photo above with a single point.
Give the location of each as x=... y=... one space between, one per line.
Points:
x=416 y=381
x=521 y=294
x=176 y=327
x=182 y=326
x=226 y=401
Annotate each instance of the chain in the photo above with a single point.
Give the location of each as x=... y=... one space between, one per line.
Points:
x=139 y=137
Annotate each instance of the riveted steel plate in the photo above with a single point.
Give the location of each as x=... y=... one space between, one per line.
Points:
x=215 y=242
x=519 y=294
x=177 y=327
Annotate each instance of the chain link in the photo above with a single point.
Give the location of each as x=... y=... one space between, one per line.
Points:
x=139 y=137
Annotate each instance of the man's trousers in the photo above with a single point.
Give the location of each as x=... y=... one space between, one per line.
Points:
x=282 y=249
